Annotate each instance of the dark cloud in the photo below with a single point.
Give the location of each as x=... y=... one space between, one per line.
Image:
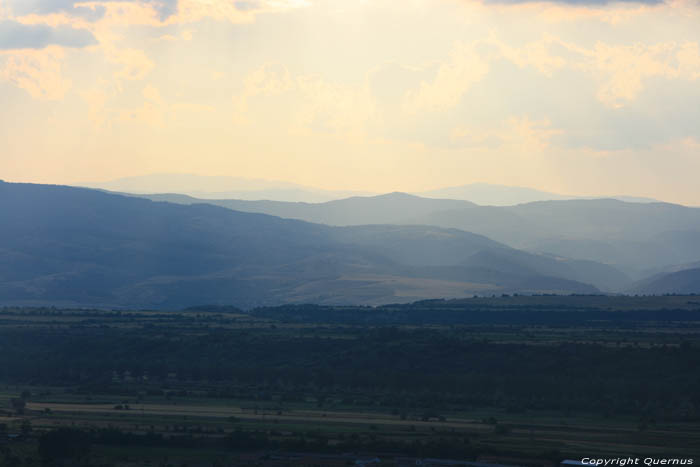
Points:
x=43 y=7
x=575 y=2
x=165 y=8
x=14 y=35
x=247 y=5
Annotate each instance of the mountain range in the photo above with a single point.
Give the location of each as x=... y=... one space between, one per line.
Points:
x=82 y=247
x=241 y=188
x=75 y=246
x=686 y=281
x=635 y=238
x=216 y=187
x=487 y=194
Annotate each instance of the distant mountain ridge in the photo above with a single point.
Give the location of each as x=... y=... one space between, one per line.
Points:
x=74 y=246
x=242 y=188
x=633 y=237
x=686 y=281
x=218 y=187
x=486 y=194
x=390 y=208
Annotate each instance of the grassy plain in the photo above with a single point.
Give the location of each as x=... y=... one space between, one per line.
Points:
x=408 y=381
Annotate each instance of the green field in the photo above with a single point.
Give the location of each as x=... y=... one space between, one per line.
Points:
x=510 y=380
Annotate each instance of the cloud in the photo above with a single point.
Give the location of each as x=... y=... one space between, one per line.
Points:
x=452 y=81
x=135 y=64
x=574 y=2
x=269 y=80
x=302 y=102
x=96 y=99
x=39 y=72
x=94 y=12
x=150 y=113
x=164 y=8
x=141 y=12
x=44 y=7
x=611 y=12
x=620 y=71
x=14 y=35
x=537 y=54
x=521 y=134
x=156 y=112
x=239 y=11
x=247 y=5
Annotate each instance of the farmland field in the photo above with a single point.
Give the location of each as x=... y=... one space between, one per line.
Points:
x=510 y=380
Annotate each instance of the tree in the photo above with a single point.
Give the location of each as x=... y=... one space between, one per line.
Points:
x=26 y=427
x=64 y=444
x=18 y=405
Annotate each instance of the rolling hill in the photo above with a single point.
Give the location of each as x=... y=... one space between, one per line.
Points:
x=72 y=246
x=686 y=281
x=391 y=208
x=632 y=237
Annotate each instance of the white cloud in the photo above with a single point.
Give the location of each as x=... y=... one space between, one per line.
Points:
x=521 y=135
x=452 y=81
x=135 y=64
x=313 y=102
x=39 y=72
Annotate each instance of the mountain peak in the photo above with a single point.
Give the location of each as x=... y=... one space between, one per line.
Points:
x=396 y=195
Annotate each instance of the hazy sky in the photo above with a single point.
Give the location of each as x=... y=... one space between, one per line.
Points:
x=579 y=97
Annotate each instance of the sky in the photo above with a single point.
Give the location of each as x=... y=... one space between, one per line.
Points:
x=573 y=96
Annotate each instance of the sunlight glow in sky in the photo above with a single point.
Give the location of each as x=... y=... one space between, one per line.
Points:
x=572 y=96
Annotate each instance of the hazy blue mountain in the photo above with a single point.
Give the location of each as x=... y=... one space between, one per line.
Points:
x=632 y=237
x=591 y=219
x=686 y=281
x=601 y=275
x=598 y=219
x=486 y=194
x=64 y=245
x=221 y=187
x=672 y=268
x=631 y=199
x=251 y=189
x=390 y=208
x=635 y=237
x=417 y=244
x=681 y=245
